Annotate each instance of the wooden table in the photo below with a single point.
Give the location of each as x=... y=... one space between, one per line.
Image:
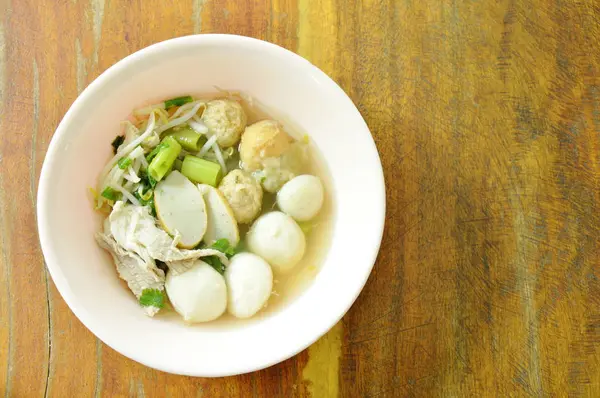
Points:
x=487 y=118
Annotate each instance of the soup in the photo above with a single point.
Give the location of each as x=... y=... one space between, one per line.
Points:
x=214 y=207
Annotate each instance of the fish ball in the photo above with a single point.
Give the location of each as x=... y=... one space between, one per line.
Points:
x=301 y=197
x=199 y=294
x=277 y=238
x=249 y=283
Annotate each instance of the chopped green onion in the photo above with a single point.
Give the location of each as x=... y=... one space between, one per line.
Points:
x=164 y=159
x=156 y=150
x=146 y=199
x=177 y=101
x=147 y=180
x=144 y=196
x=117 y=143
x=110 y=194
x=124 y=163
x=201 y=171
x=187 y=137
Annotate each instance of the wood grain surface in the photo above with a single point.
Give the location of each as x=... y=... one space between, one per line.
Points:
x=486 y=115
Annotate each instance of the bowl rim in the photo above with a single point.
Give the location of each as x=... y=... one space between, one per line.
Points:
x=44 y=229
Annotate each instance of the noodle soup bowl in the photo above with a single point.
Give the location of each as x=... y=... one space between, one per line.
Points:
x=281 y=80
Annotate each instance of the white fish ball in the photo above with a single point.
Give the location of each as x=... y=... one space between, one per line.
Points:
x=199 y=294
x=278 y=239
x=301 y=197
x=249 y=284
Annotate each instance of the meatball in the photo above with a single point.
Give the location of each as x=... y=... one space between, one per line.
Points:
x=262 y=140
x=226 y=119
x=267 y=150
x=244 y=195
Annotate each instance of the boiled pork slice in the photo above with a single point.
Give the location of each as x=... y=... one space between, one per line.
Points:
x=134 y=228
x=138 y=273
x=136 y=242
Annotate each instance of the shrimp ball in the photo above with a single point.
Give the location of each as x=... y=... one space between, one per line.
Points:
x=277 y=238
x=226 y=119
x=301 y=197
x=199 y=294
x=249 y=283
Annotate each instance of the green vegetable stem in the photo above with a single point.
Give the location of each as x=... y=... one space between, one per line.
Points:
x=124 y=163
x=110 y=194
x=187 y=137
x=201 y=171
x=164 y=159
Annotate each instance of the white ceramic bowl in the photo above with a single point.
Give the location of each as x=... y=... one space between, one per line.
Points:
x=281 y=80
